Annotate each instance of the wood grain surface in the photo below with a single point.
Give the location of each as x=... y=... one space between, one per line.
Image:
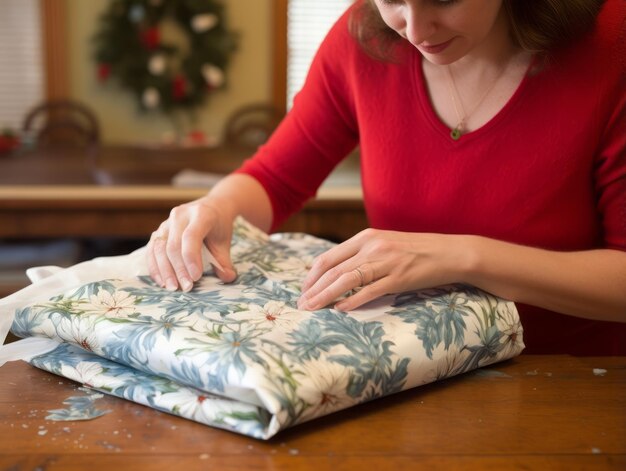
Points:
x=533 y=412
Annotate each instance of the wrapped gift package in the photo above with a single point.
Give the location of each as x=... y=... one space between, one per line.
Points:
x=241 y=356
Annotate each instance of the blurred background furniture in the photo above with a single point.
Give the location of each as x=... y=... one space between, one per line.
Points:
x=251 y=125
x=54 y=128
x=62 y=123
x=47 y=194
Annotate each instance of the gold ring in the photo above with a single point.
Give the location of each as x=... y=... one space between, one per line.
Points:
x=361 y=276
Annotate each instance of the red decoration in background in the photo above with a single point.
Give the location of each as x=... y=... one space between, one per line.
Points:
x=141 y=57
x=179 y=87
x=150 y=38
x=8 y=142
x=197 y=137
x=104 y=70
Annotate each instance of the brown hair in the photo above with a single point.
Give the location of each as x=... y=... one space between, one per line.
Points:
x=537 y=26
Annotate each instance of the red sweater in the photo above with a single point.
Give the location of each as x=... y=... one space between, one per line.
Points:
x=549 y=170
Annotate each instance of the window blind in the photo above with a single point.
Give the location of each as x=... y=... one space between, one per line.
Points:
x=21 y=60
x=308 y=21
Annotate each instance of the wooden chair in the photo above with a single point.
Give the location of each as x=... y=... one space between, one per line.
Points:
x=62 y=123
x=250 y=126
x=55 y=125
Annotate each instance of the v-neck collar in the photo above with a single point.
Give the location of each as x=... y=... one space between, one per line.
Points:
x=419 y=85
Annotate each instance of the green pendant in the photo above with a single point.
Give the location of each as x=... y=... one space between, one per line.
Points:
x=455 y=134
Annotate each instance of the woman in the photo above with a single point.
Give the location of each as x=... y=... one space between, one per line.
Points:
x=492 y=153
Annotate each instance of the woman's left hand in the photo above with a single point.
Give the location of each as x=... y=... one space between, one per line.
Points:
x=383 y=262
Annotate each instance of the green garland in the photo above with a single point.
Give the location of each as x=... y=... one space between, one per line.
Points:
x=129 y=48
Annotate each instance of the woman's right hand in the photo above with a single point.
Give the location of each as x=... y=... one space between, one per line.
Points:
x=174 y=250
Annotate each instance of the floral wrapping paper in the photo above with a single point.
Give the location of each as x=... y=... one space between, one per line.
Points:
x=241 y=356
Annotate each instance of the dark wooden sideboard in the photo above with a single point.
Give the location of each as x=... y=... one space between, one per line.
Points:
x=125 y=192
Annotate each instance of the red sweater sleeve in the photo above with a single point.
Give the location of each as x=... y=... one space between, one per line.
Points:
x=610 y=165
x=318 y=132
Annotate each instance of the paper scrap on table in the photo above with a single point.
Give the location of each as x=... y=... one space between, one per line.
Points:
x=79 y=408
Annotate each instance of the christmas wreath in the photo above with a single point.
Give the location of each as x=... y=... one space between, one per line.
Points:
x=170 y=53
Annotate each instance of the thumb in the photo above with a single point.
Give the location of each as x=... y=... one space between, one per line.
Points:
x=219 y=257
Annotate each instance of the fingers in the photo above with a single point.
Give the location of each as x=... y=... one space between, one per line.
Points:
x=323 y=266
x=160 y=268
x=172 y=264
x=222 y=264
x=338 y=271
x=365 y=295
x=175 y=249
x=336 y=282
x=184 y=248
x=153 y=268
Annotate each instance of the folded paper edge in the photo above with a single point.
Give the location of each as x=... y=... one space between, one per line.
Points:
x=41 y=347
x=26 y=349
x=48 y=281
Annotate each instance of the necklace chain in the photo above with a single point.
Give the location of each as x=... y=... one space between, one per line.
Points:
x=462 y=116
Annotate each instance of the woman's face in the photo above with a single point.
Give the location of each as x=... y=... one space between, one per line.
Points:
x=445 y=30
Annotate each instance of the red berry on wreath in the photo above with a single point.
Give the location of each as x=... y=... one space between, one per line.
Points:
x=150 y=38
x=104 y=70
x=179 y=87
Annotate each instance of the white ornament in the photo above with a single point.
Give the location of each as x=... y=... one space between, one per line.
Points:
x=151 y=98
x=156 y=64
x=213 y=75
x=204 y=22
x=137 y=13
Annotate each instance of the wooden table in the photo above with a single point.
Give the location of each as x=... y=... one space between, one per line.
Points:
x=533 y=412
